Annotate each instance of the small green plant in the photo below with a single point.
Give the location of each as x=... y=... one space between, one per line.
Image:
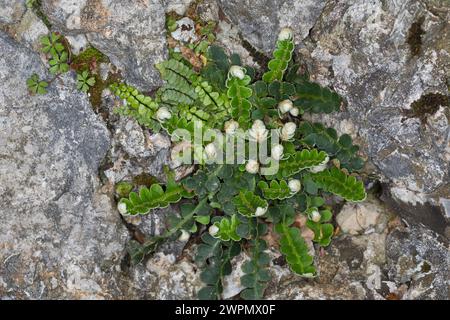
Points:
x=233 y=204
x=57 y=54
x=58 y=63
x=84 y=81
x=36 y=86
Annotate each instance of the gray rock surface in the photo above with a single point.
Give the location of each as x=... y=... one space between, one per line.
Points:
x=363 y=49
x=11 y=11
x=132 y=34
x=260 y=20
x=59 y=238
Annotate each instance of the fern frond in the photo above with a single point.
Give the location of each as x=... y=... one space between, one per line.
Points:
x=294 y=248
x=239 y=93
x=316 y=99
x=337 y=182
x=154 y=197
x=315 y=134
x=301 y=160
x=249 y=204
x=281 y=57
x=276 y=190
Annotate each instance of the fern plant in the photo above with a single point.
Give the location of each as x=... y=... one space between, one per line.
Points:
x=233 y=206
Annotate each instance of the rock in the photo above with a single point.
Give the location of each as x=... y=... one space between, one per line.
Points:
x=419 y=258
x=11 y=11
x=357 y=217
x=395 y=93
x=178 y=6
x=164 y=277
x=132 y=36
x=59 y=237
x=185 y=31
x=260 y=20
x=22 y=24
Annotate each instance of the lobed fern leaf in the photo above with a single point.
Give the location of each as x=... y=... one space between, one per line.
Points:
x=315 y=134
x=276 y=190
x=299 y=161
x=249 y=204
x=316 y=99
x=295 y=250
x=337 y=182
x=281 y=58
x=239 y=93
x=154 y=197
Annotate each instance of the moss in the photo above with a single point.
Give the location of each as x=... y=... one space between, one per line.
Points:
x=414 y=38
x=89 y=58
x=428 y=105
x=144 y=179
x=95 y=92
x=123 y=189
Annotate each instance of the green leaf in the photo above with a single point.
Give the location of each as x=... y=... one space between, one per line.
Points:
x=281 y=90
x=327 y=139
x=138 y=106
x=323 y=232
x=337 y=182
x=276 y=190
x=154 y=197
x=227 y=228
x=239 y=93
x=316 y=99
x=299 y=161
x=247 y=203
x=215 y=257
x=256 y=275
x=295 y=250
x=278 y=65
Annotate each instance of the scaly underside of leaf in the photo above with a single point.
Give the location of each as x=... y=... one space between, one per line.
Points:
x=337 y=182
x=281 y=57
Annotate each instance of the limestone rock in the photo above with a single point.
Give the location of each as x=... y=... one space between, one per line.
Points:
x=260 y=20
x=59 y=237
x=132 y=35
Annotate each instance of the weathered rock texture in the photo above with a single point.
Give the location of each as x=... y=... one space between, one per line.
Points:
x=58 y=237
x=130 y=33
x=260 y=20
